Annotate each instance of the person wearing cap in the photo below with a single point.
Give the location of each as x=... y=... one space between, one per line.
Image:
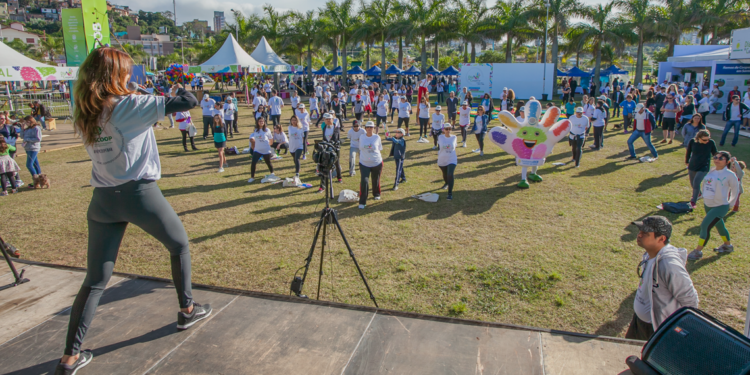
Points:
x=381 y=112
x=358 y=106
x=643 y=125
x=260 y=143
x=464 y=118
x=438 y=120
x=354 y=134
x=447 y=158
x=370 y=164
x=395 y=103
x=207 y=107
x=480 y=128
x=720 y=190
x=404 y=112
x=521 y=116
x=423 y=116
x=506 y=100
x=579 y=128
x=398 y=151
x=665 y=285
x=452 y=104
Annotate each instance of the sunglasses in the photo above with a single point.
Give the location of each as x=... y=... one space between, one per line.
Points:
x=719 y=157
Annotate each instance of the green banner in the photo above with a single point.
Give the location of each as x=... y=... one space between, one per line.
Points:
x=96 y=24
x=74 y=37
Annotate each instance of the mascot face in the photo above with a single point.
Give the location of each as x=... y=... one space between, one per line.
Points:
x=535 y=136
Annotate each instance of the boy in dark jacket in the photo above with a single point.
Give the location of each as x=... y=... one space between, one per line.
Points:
x=398 y=151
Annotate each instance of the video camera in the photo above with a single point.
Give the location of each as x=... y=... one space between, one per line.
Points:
x=325 y=155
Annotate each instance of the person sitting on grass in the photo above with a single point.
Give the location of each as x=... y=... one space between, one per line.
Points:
x=398 y=151
x=280 y=141
x=220 y=141
x=665 y=285
x=720 y=190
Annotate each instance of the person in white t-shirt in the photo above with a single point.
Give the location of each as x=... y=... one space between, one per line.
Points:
x=304 y=118
x=381 y=115
x=260 y=142
x=447 y=158
x=353 y=134
x=438 y=120
x=314 y=107
x=125 y=169
x=579 y=126
x=404 y=112
x=370 y=164
x=207 y=107
x=395 y=104
x=258 y=102
x=464 y=118
x=184 y=121
x=268 y=87
x=229 y=111
x=295 y=100
x=276 y=104
x=297 y=136
x=218 y=111
x=423 y=116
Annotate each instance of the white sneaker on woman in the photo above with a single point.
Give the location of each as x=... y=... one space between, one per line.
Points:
x=221 y=170
x=250 y=180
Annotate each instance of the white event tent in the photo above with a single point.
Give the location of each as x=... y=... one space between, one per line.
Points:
x=228 y=58
x=16 y=67
x=265 y=55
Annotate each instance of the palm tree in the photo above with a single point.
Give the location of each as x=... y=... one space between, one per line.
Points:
x=52 y=47
x=136 y=52
x=605 y=27
x=307 y=29
x=512 y=20
x=717 y=13
x=423 y=19
x=560 y=12
x=677 y=17
x=641 y=16
x=611 y=56
x=245 y=29
x=272 y=26
x=381 y=17
x=343 y=20
x=473 y=18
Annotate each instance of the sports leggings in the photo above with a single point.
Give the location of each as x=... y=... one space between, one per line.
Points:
x=448 y=176
x=714 y=217
x=364 y=181
x=696 y=177
x=435 y=135
x=111 y=209
x=423 y=127
x=405 y=121
x=480 y=140
x=304 y=142
x=257 y=156
x=393 y=110
x=577 y=144
x=184 y=139
x=463 y=133
x=297 y=155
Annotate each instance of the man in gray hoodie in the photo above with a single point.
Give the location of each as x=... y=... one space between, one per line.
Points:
x=665 y=284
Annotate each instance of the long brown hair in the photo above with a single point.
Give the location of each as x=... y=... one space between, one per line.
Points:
x=102 y=75
x=30 y=122
x=3 y=145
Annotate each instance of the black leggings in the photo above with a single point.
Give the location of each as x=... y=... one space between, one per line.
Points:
x=358 y=116
x=393 y=110
x=577 y=144
x=463 y=133
x=257 y=156
x=364 y=181
x=598 y=137
x=423 y=127
x=297 y=155
x=435 y=134
x=304 y=142
x=111 y=209
x=480 y=140
x=10 y=176
x=448 y=176
x=405 y=121
x=184 y=140
x=284 y=147
x=380 y=119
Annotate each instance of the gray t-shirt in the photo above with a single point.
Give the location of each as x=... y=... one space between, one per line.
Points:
x=670 y=106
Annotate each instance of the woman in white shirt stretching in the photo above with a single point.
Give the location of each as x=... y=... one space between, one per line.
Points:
x=260 y=143
x=370 y=163
x=447 y=159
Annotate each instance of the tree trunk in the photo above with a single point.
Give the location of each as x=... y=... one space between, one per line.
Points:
x=309 y=61
x=367 y=63
x=639 y=61
x=473 y=53
x=400 y=53
x=554 y=62
x=343 y=64
x=382 y=59
x=466 y=53
x=424 y=56
x=335 y=59
x=670 y=48
x=544 y=51
x=597 y=67
x=508 y=49
x=436 y=63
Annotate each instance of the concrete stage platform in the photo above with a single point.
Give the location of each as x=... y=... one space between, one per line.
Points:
x=134 y=332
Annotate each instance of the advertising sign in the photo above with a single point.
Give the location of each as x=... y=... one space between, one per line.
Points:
x=96 y=24
x=727 y=76
x=477 y=78
x=28 y=73
x=740 y=44
x=73 y=36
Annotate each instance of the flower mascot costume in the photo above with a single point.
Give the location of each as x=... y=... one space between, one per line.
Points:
x=531 y=140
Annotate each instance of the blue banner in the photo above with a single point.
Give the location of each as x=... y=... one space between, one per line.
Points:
x=733 y=69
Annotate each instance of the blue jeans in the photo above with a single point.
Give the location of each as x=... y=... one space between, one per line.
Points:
x=32 y=163
x=41 y=121
x=730 y=124
x=646 y=138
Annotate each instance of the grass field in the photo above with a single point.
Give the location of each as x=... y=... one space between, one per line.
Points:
x=560 y=255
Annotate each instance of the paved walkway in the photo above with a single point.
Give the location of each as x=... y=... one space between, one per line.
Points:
x=253 y=333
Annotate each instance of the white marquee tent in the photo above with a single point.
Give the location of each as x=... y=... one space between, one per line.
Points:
x=229 y=55
x=265 y=55
x=16 y=67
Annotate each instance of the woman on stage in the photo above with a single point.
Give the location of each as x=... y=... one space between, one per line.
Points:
x=116 y=127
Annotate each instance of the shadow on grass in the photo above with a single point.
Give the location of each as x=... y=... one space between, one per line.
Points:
x=624 y=316
x=662 y=180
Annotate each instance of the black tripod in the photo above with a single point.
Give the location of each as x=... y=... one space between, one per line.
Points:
x=328 y=216
x=8 y=251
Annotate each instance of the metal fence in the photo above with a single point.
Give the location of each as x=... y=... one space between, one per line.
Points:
x=57 y=103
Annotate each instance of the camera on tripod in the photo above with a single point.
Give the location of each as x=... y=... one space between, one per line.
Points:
x=325 y=155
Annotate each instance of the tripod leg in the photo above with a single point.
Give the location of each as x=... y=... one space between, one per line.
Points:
x=326 y=219
x=19 y=279
x=312 y=249
x=335 y=219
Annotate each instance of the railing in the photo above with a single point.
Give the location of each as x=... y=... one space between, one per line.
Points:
x=57 y=103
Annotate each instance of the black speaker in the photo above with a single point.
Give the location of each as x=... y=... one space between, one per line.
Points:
x=691 y=342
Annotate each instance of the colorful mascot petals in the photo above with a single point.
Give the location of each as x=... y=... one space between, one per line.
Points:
x=532 y=140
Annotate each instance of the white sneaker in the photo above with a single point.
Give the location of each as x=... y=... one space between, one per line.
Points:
x=376 y=198
x=434 y=147
x=476 y=151
x=221 y=170
x=362 y=206
x=481 y=153
x=250 y=180
x=464 y=144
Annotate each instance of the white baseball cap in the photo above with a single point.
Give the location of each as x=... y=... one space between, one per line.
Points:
x=401 y=130
x=327 y=115
x=301 y=105
x=447 y=126
x=579 y=109
x=465 y=103
x=369 y=124
x=438 y=108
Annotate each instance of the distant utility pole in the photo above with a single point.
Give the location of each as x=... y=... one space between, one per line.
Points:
x=182 y=40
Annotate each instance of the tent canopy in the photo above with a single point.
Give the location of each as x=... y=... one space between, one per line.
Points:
x=265 y=55
x=576 y=72
x=432 y=70
x=323 y=70
x=412 y=71
x=336 y=71
x=374 y=71
x=560 y=73
x=613 y=69
x=355 y=70
x=393 y=69
x=16 y=67
x=231 y=53
x=720 y=54
x=450 y=71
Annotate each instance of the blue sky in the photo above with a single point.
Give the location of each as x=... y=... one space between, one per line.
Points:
x=187 y=10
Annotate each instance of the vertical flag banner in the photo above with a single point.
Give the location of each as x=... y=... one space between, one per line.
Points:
x=96 y=23
x=74 y=37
